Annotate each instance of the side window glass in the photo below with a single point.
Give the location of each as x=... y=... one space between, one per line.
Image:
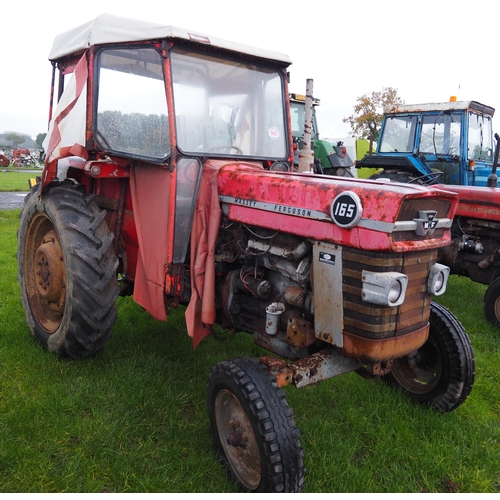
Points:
x=480 y=138
x=188 y=175
x=132 y=116
x=398 y=134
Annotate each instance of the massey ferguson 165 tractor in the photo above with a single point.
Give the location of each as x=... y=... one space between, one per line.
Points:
x=167 y=177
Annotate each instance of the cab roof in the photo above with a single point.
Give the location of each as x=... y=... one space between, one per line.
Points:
x=440 y=106
x=108 y=28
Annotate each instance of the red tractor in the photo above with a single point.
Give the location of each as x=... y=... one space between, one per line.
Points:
x=474 y=250
x=167 y=176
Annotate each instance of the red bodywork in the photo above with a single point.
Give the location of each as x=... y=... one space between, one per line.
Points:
x=285 y=193
x=476 y=202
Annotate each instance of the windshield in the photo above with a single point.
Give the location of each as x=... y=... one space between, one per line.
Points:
x=440 y=134
x=398 y=134
x=480 y=138
x=227 y=107
x=297 y=116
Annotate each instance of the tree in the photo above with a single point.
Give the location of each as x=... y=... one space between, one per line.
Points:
x=39 y=139
x=368 y=111
x=16 y=139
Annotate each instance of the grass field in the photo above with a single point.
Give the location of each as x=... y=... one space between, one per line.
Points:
x=134 y=418
x=16 y=181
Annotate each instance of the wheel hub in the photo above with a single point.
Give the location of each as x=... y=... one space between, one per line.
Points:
x=238 y=439
x=46 y=274
x=50 y=272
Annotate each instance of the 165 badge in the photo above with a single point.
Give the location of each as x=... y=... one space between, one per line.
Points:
x=346 y=209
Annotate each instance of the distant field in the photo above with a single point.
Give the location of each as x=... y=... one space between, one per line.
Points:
x=16 y=181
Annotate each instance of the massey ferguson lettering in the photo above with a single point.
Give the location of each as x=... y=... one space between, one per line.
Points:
x=274 y=207
x=292 y=210
x=246 y=203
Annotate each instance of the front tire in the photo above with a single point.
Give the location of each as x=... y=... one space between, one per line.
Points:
x=67 y=270
x=491 y=303
x=253 y=428
x=441 y=373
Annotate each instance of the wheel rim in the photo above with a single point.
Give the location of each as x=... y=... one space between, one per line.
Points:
x=238 y=439
x=45 y=273
x=419 y=372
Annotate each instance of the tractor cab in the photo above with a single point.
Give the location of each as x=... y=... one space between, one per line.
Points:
x=142 y=92
x=448 y=143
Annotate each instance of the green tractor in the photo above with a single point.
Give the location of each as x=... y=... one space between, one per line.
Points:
x=329 y=158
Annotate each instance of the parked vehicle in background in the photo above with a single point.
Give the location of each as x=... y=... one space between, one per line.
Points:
x=167 y=177
x=23 y=157
x=448 y=143
x=329 y=158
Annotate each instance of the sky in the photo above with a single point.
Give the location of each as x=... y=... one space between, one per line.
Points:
x=428 y=50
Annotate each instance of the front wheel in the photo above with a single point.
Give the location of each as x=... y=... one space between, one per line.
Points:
x=253 y=427
x=491 y=303
x=67 y=270
x=441 y=373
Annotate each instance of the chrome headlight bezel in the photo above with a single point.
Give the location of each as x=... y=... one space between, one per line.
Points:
x=386 y=289
x=437 y=280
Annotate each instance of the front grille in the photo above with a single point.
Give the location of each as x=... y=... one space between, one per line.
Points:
x=410 y=209
x=379 y=322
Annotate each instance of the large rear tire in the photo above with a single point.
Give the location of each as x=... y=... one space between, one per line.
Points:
x=441 y=373
x=67 y=270
x=253 y=428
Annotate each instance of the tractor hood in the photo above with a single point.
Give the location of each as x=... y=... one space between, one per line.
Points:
x=476 y=202
x=372 y=215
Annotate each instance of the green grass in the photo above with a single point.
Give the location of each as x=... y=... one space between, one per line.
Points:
x=16 y=181
x=134 y=418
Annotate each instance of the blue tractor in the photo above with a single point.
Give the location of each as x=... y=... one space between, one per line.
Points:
x=438 y=143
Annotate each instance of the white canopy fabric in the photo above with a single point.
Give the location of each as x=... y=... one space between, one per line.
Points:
x=108 y=28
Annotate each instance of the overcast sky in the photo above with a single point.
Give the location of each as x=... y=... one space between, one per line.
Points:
x=428 y=50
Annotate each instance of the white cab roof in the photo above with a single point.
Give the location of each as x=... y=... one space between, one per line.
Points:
x=440 y=106
x=108 y=28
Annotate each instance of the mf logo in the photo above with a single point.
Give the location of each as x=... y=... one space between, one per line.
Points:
x=426 y=222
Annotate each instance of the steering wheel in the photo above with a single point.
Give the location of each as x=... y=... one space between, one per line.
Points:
x=426 y=179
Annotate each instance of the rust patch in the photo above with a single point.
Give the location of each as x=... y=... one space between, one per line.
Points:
x=300 y=332
x=378 y=350
x=278 y=368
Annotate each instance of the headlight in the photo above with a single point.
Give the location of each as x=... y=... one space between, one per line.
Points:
x=387 y=289
x=438 y=277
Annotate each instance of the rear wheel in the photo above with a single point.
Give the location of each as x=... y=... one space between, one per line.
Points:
x=67 y=270
x=441 y=373
x=491 y=303
x=253 y=427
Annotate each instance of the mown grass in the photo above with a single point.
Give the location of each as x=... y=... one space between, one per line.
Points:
x=134 y=418
x=16 y=181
